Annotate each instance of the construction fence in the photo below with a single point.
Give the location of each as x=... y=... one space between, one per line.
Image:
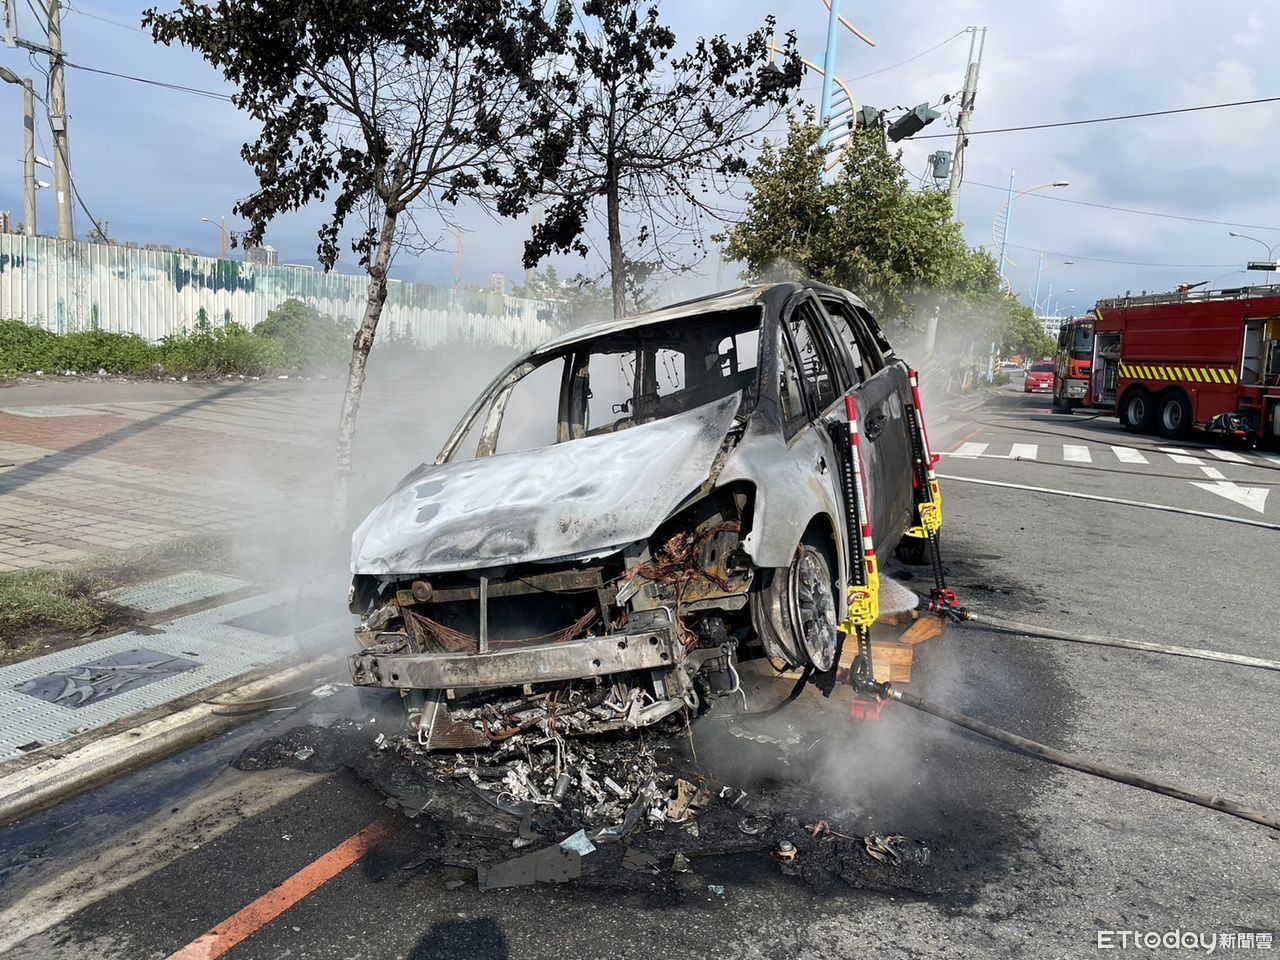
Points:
x=68 y=285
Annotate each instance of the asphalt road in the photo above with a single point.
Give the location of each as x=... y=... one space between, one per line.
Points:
x=1028 y=860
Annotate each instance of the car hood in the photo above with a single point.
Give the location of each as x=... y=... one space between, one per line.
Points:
x=578 y=497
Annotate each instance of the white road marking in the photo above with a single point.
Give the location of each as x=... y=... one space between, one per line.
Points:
x=1147 y=505
x=970 y=450
x=1073 y=453
x=1178 y=455
x=1229 y=455
x=1270 y=458
x=1024 y=451
x=1128 y=455
x=1255 y=498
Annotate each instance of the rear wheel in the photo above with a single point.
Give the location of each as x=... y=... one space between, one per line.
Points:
x=913 y=551
x=1175 y=416
x=1137 y=412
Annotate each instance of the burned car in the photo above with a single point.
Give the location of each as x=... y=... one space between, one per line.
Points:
x=629 y=511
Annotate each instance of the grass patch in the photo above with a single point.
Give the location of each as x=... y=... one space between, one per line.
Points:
x=62 y=603
x=43 y=601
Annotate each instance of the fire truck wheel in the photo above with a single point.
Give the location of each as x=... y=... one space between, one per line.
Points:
x=1175 y=415
x=1136 y=412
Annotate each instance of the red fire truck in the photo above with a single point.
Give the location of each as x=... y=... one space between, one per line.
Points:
x=1072 y=363
x=1171 y=362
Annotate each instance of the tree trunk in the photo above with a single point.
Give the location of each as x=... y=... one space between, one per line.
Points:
x=617 y=266
x=360 y=348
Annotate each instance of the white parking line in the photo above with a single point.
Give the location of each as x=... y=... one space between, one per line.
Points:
x=1073 y=453
x=1128 y=455
x=970 y=450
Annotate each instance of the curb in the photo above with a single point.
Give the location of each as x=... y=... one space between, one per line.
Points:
x=55 y=773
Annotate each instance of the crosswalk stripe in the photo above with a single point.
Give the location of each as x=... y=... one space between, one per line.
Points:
x=970 y=450
x=1024 y=451
x=1229 y=455
x=1076 y=454
x=1178 y=455
x=1128 y=455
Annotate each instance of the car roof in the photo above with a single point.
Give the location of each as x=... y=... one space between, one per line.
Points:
x=726 y=300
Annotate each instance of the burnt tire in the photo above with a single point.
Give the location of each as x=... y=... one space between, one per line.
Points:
x=1174 y=419
x=1137 y=411
x=913 y=551
x=795 y=610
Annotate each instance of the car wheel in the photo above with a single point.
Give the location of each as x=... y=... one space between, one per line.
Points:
x=1136 y=412
x=913 y=551
x=795 y=611
x=1060 y=404
x=1174 y=420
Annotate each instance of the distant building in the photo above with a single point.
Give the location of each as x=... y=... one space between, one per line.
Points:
x=497 y=283
x=265 y=254
x=1052 y=325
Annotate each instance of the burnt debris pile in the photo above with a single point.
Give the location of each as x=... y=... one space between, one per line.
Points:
x=614 y=812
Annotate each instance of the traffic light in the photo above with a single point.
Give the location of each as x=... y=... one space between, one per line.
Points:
x=912 y=122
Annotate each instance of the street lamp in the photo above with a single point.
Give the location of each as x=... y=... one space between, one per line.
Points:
x=1270 y=248
x=1035 y=297
x=222 y=231
x=28 y=148
x=1008 y=212
x=1049 y=298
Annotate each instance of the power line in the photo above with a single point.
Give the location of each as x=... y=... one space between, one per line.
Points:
x=1144 y=213
x=1125 y=116
x=213 y=95
x=1125 y=263
x=909 y=59
x=95 y=16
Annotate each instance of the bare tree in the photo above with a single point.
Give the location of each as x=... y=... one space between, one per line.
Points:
x=379 y=109
x=657 y=136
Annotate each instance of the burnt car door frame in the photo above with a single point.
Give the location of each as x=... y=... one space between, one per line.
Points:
x=814 y=433
x=882 y=397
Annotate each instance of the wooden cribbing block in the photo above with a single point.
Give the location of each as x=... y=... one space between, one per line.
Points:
x=926 y=628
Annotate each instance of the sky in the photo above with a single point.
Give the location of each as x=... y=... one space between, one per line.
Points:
x=153 y=162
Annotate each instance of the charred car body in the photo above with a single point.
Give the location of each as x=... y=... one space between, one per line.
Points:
x=628 y=510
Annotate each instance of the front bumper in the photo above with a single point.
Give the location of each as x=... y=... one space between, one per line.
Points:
x=653 y=647
x=1075 y=389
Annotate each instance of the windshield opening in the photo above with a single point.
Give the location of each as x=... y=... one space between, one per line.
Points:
x=660 y=370
x=1082 y=342
x=1042 y=368
x=619 y=380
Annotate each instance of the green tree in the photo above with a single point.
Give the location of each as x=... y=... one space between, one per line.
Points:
x=655 y=134
x=866 y=229
x=374 y=111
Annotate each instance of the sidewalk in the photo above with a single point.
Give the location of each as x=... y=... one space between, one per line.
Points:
x=78 y=480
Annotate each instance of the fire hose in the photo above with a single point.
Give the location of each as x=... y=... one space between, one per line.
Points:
x=1030 y=629
x=1084 y=765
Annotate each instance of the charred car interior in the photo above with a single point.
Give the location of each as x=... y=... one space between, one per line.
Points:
x=629 y=512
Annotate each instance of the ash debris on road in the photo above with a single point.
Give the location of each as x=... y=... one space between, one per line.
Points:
x=616 y=812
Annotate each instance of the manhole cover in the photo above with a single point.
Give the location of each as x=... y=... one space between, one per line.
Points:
x=91 y=682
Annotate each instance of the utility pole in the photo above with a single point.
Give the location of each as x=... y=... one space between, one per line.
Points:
x=29 y=157
x=967 y=99
x=58 y=121
x=28 y=149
